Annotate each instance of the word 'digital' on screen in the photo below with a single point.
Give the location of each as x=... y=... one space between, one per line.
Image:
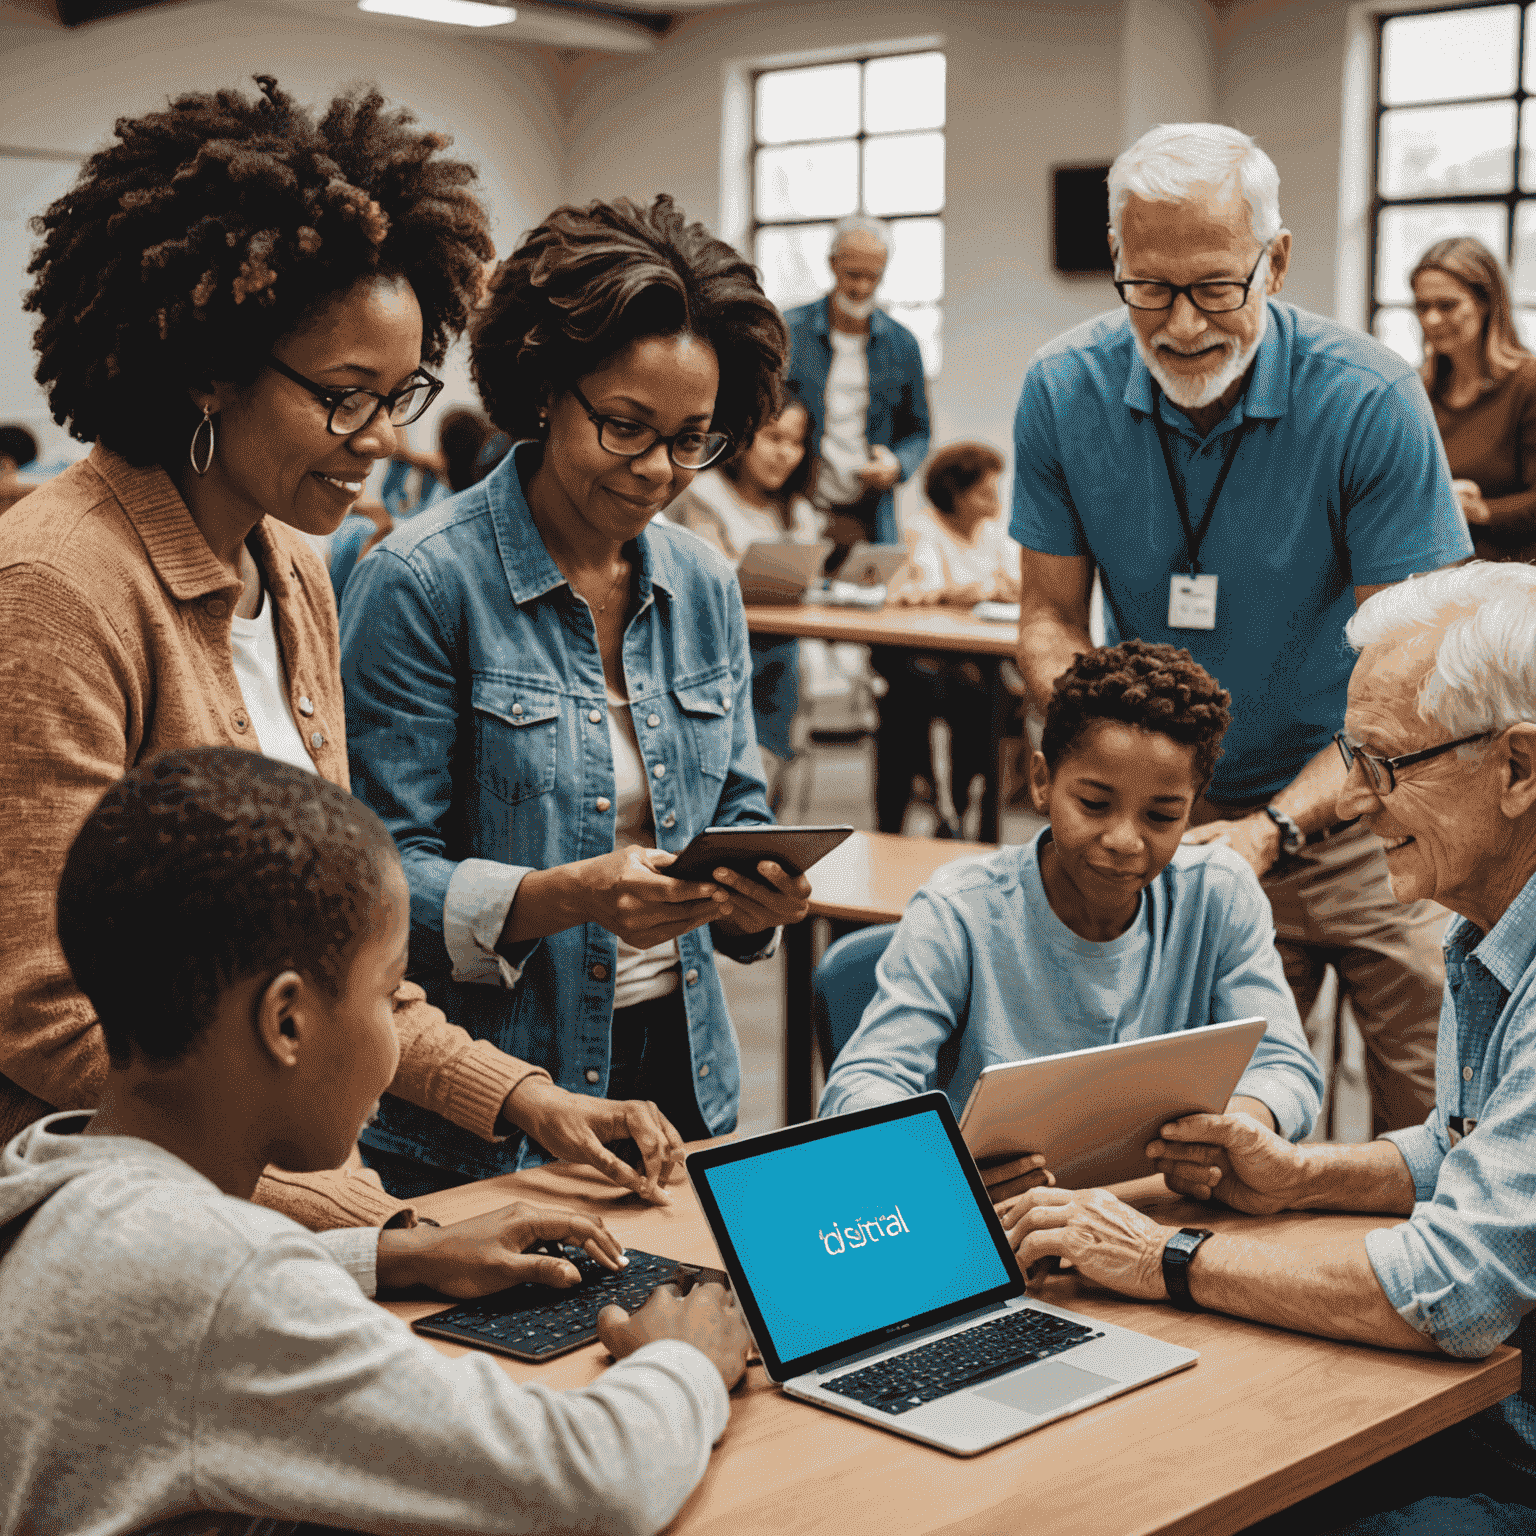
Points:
x=862 y=1232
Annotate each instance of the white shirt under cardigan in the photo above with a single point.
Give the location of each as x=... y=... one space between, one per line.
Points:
x=168 y=1350
x=259 y=672
x=981 y=970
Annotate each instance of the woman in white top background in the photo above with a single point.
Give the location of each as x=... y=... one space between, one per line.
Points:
x=962 y=555
x=756 y=497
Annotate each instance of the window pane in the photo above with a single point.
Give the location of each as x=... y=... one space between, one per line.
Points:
x=904 y=174
x=926 y=323
x=794 y=263
x=1399 y=329
x=1525 y=326
x=1404 y=234
x=1430 y=151
x=1527 y=148
x=1523 y=273
x=820 y=103
x=916 y=271
x=905 y=92
x=1447 y=54
x=808 y=181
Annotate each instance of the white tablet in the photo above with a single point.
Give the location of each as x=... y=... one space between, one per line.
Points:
x=1093 y=1112
x=779 y=572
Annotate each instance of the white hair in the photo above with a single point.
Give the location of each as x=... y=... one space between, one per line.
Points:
x=1178 y=162
x=860 y=224
x=1484 y=676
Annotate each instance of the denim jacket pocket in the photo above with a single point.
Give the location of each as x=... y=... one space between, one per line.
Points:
x=516 y=738
x=707 y=707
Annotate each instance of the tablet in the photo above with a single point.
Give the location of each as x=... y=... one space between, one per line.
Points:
x=779 y=572
x=1093 y=1112
x=740 y=848
x=872 y=565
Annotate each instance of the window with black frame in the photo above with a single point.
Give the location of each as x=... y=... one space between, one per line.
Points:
x=1455 y=153
x=863 y=135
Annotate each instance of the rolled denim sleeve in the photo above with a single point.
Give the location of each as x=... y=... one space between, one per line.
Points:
x=1462 y=1268
x=398 y=664
x=923 y=982
x=912 y=427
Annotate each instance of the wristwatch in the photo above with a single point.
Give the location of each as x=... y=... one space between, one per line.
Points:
x=1292 y=837
x=1178 y=1251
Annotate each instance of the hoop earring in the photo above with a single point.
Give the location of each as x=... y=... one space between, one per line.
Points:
x=197 y=431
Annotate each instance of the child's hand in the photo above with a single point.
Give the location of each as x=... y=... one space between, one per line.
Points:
x=487 y=1253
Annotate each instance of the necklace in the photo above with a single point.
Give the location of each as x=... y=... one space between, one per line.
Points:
x=613 y=585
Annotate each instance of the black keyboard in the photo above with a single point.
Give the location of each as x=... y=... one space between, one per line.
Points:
x=960 y=1360
x=538 y=1322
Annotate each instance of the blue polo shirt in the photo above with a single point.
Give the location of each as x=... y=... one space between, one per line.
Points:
x=1339 y=481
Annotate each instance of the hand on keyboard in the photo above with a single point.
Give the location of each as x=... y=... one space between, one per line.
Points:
x=707 y=1317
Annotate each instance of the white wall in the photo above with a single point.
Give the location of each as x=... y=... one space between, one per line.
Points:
x=1031 y=84
x=1167 y=66
x=63 y=91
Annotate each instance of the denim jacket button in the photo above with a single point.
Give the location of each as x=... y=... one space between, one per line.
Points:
x=517 y=709
x=691 y=977
x=595 y=716
x=670 y=819
x=659 y=771
x=603 y=803
x=725 y=704
x=653 y=720
x=593 y=1075
x=599 y=972
x=704 y=1070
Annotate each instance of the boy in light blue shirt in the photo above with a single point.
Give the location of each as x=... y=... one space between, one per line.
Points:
x=1102 y=929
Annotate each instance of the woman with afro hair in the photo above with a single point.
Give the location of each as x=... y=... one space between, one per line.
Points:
x=1104 y=928
x=239 y=303
x=549 y=689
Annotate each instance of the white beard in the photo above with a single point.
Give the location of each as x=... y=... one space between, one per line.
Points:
x=1192 y=393
x=860 y=311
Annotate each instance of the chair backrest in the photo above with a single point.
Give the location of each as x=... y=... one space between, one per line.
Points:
x=843 y=985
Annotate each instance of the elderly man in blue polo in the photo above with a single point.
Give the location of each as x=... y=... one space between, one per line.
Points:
x=1440 y=743
x=1241 y=474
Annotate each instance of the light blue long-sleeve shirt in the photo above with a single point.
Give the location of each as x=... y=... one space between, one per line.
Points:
x=1462 y=1269
x=981 y=970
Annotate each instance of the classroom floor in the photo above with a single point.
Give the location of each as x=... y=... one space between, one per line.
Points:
x=841 y=791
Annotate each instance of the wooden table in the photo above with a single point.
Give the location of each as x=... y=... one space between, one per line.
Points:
x=914 y=629
x=1264 y=1418
x=870 y=878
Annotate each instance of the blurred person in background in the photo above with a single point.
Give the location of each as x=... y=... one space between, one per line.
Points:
x=758 y=496
x=547 y=687
x=18 y=449
x=860 y=374
x=961 y=555
x=1482 y=383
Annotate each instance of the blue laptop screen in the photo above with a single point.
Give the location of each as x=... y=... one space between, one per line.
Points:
x=856 y=1231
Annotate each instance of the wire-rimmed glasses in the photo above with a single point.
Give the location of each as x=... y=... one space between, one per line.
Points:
x=689 y=449
x=1219 y=297
x=1382 y=771
x=352 y=409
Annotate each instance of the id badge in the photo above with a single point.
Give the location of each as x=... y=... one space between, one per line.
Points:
x=1191 y=602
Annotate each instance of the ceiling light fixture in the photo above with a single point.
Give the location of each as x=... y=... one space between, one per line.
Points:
x=458 y=13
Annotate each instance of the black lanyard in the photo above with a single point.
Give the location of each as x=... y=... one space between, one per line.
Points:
x=1194 y=537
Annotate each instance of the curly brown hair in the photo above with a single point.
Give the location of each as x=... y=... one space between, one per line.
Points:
x=589 y=281
x=955 y=469
x=1152 y=687
x=207 y=232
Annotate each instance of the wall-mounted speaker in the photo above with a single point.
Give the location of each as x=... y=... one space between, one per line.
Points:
x=1080 y=218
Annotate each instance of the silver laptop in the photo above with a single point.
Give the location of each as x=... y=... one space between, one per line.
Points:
x=1092 y=1112
x=877 y=1281
x=862 y=578
x=774 y=572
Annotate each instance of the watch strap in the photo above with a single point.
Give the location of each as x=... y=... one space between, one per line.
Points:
x=1178 y=1252
x=1291 y=835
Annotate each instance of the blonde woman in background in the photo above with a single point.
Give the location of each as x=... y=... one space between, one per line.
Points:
x=1482 y=383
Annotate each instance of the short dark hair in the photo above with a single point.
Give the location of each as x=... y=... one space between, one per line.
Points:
x=209 y=231
x=18 y=445
x=205 y=867
x=462 y=434
x=1152 y=687
x=589 y=281
x=954 y=469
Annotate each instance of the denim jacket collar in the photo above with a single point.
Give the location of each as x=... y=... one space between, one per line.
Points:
x=530 y=569
x=879 y=323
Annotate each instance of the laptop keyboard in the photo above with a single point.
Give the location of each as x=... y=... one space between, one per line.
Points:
x=960 y=1360
x=538 y=1322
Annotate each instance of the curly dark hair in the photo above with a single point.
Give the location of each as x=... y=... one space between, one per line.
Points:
x=204 y=867
x=18 y=445
x=209 y=231
x=588 y=281
x=955 y=468
x=1153 y=687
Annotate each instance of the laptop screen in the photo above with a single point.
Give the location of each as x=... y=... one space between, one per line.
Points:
x=839 y=1233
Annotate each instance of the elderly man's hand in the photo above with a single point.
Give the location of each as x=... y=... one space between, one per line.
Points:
x=1108 y=1241
x=1234 y=1159
x=883 y=469
x=1469 y=496
x=1255 y=838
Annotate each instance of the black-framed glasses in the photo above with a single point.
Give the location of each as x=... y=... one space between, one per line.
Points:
x=1382 y=771
x=352 y=409
x=1212 y=298
x=689 y=449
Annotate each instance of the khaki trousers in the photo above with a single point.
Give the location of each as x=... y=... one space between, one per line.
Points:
x=1333 y=905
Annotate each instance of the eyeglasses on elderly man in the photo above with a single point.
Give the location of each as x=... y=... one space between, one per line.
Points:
x=1382 y=771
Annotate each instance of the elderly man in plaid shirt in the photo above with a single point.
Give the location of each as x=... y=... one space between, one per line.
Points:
x=1440 y=743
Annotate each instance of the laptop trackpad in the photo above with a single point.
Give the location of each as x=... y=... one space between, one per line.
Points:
x=1045 y=1387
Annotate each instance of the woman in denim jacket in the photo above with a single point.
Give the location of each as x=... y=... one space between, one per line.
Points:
x=548 y=693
